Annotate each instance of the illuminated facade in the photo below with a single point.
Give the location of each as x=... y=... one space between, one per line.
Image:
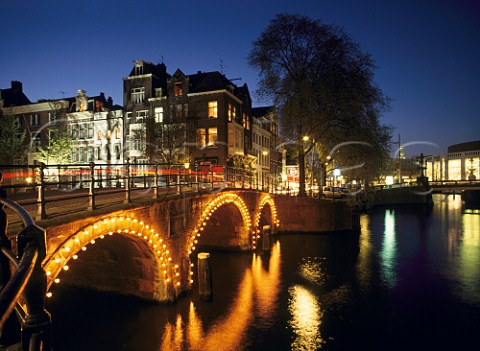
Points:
x=462 y=163
x=96 y=129
x=201 y=118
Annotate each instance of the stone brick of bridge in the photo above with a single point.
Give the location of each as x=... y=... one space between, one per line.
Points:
x=148 y=250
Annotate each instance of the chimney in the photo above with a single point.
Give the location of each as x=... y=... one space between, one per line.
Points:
x=17 y=86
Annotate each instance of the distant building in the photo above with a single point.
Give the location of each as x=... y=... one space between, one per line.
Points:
x=84 y=118
x=96 y=128
x=462 y=162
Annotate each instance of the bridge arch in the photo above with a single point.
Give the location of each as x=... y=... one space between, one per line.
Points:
x=265 y=199
x=211 y=207
x=166 y=273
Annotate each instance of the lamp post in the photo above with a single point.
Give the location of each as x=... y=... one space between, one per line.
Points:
x=306 y=138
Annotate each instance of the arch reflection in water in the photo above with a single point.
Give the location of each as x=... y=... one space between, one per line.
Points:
x=389 y=249
x=255 y=302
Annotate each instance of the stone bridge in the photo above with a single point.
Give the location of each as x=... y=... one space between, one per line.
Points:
x=149 y=250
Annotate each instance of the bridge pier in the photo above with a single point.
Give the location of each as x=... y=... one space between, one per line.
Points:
x=204 y=276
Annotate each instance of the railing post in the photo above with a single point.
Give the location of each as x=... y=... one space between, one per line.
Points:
x=10 y=332
x=197 y=181
x=41 y=213
x=155 y=183
x=127 y=183
x=91 y=190
x=36 y=327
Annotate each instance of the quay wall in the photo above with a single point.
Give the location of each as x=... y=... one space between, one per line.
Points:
x=305 y=214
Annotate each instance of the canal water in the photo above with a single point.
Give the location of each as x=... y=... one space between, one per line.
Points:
x=409 y=281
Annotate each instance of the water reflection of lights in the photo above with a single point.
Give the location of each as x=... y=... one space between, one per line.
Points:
x=267 y=284
x=469 y=258
x=257 y=297
x=388 y=253
x=363 y=269
x=306 y=319
x=311 y=269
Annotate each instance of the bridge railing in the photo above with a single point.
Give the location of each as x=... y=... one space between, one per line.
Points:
x=41 y=185
x=23 y=282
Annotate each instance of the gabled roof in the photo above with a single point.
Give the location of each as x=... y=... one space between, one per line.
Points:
x=14 y=96
x=209 y=81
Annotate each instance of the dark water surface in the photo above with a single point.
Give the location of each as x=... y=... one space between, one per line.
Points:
x=410 y=281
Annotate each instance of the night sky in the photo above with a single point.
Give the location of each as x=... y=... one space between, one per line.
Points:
x=427 y=52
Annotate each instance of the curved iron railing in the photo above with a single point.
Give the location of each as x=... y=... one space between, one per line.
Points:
x=27 y=283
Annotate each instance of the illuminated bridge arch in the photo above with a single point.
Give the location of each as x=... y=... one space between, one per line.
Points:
x=212 y=206
x=266 y=199
x=167 y=276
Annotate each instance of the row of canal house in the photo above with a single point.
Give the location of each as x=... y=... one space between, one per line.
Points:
x=199 y=119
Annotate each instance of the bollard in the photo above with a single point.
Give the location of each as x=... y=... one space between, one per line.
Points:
x=204 y=276
x=266 y=238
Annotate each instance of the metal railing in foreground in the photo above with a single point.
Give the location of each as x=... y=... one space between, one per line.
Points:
x=24 y=287
x=90 y=182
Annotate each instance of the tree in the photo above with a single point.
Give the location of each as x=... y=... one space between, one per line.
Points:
x=59 y=149
x=12 y=137
x=322 y=84
x=167 y=138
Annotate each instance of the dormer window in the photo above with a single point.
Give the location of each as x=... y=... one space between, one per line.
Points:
x=138 y=68
x=158 y=92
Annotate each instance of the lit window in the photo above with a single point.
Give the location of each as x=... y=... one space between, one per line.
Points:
x=158 y=114
x=117 y=133
x=455 y=169
x=99 y=135
x=213 y=109
x=201 y=138
x=109 y=134
x=246 y=122
x=232 y=112
x=177 y=90
x=138 y=95
x=212 y=137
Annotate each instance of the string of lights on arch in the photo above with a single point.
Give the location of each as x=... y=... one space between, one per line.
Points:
x=266 y=199
x=71 y=248
x=208 y=211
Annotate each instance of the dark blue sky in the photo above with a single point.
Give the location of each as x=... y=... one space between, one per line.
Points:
x=427 y=51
